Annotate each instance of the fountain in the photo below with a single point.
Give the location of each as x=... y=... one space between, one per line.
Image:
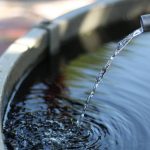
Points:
x=22 y=56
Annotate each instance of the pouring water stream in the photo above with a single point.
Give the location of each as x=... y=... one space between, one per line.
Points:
x=121 y=45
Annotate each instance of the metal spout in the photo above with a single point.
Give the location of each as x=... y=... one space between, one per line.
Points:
x=145 y=22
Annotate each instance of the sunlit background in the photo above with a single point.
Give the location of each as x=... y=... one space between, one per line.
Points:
x=18 y=16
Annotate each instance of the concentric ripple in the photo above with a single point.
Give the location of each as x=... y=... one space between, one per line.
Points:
x=52 y=127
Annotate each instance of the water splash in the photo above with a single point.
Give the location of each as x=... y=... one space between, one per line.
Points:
x=120 y=46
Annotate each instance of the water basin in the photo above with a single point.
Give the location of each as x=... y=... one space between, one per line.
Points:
x=43 y=114
x=39 y=109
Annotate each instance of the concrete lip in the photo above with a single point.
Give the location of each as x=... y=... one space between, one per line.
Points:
x=22 y=56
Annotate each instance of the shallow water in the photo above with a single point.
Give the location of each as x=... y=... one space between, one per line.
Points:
x=118 y=117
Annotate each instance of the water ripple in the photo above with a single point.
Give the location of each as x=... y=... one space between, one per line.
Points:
x=118 y=115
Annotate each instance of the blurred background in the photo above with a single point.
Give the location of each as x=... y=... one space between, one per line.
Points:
x=18 y=16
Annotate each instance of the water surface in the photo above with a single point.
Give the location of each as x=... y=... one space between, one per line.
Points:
x=118 y=118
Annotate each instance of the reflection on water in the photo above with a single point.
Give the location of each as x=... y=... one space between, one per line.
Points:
x=44 y=116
